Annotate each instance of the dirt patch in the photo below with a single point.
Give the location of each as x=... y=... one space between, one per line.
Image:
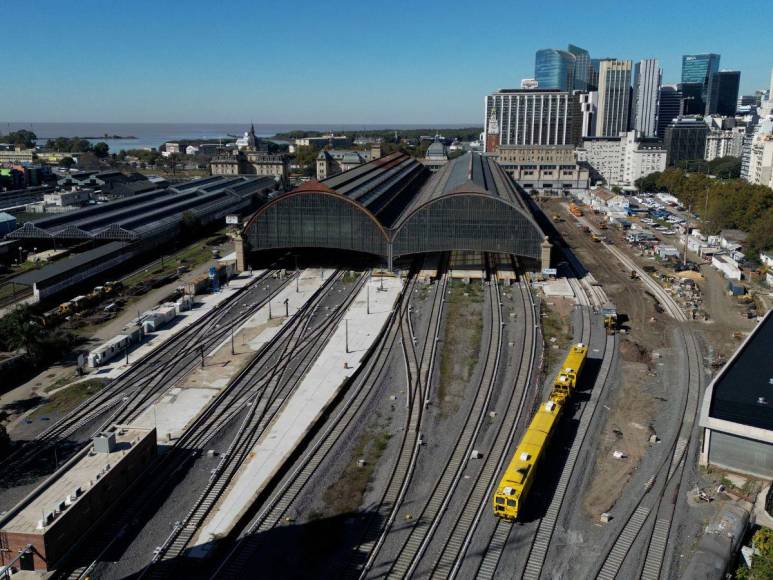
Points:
x=627 y=430
x=461 y=344
x=556 y=331
x=634 y=352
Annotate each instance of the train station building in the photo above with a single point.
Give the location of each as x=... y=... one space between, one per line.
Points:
x=737 y=410
x=394 y=207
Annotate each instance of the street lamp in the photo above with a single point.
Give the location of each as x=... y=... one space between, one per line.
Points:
x=20 y=258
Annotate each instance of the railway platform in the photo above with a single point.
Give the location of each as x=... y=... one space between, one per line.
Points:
x=203 y=305
x=181 y=404
x=338 y=361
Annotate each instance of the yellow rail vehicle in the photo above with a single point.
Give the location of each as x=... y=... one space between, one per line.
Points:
x=520 y=474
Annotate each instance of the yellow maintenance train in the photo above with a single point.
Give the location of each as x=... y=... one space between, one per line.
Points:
x=521 y=472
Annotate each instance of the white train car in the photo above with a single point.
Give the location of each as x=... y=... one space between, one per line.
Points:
x=115 y=346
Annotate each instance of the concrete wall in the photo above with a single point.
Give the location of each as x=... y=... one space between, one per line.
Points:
x=739 y=454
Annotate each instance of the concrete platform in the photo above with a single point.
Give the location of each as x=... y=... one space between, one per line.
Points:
x=557 y=288
x=174 y=411
x=301 y=411
x=203 y=305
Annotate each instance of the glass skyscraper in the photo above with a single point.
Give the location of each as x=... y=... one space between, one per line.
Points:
x=729 y=80
x=554 y=69
x=704 y=69
x=582 y=67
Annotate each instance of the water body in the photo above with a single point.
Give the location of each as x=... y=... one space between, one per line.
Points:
x=153 y=135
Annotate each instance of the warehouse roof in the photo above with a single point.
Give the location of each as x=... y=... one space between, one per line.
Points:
x=743 y=390
x=81 y=476
x=69 y=264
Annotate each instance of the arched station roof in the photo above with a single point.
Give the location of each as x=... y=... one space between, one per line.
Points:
x=349 y=211
x=471 y=204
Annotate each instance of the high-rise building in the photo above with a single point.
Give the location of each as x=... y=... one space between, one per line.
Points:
x=725 y=143
x=614 y=106
x=533 y=117
x=669 y=104
x=582 y=67
x=692 y=99
x=704 y=69
x=554 y=69
x=727 y=100
x=646 y=90
x=685 y=140
x=589 y=102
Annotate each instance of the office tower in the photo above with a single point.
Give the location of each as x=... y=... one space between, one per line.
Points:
x=533 y=117
x=704 y=69
x=554 y=69
x=685 y=140
x=692 y=99
x=614 y=97
x=669 y=103
x=727 y=100
x=646 y=89
x=589 y=102
x=582 y=67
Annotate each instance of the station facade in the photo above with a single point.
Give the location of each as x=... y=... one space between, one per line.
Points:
x=394 y=206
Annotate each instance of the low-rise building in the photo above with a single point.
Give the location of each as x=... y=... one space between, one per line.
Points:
x=171 y=147
x=15 y=155
x=54 y=518
x=333 y=161
x=727 y=266
x=7 y=223
x=602 y=199
x=732 y=240
x=72 y=197
x=331 y=140
x=545 y=169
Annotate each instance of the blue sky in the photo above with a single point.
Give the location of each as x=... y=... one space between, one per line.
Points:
x=333 y=62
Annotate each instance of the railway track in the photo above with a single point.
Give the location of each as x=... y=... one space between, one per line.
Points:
x=158 y=370
x=542 y=538
x=219 y=413
x=295 y=483
x=423 y=528
x=419 y=371
x=655 y=502
x=457 y=542
x=262 y=408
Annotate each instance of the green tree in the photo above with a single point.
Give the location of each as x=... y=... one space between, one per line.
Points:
x=22 y=138
x=67 y=162
x=101 y=149
x=306 y=158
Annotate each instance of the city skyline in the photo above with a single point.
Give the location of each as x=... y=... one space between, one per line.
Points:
x=153 y=64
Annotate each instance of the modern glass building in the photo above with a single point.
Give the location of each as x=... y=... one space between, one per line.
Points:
x=554 y=69
x=669 y=103
x=582 y=67
x=704 y=69
x=693 y=102
x=729 y=82
x=685 y=140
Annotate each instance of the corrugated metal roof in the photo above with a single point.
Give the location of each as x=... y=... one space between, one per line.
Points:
x=69 y=264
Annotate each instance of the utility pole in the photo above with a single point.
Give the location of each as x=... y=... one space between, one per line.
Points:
x=367 y=293
x=687 y=234
x=287 y=308
x=346 y=332
x=232 y=342
x=201 y=351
